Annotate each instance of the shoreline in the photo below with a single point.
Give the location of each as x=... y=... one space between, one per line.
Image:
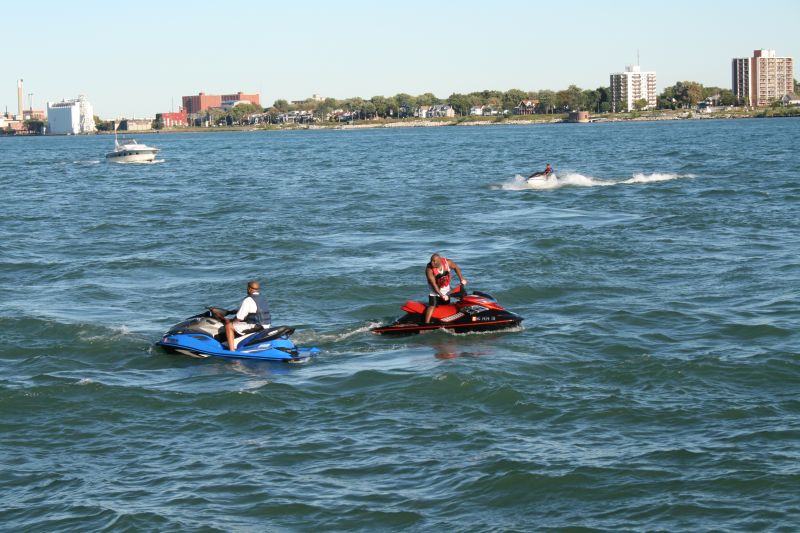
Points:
x=655 y=116
x=652 y=116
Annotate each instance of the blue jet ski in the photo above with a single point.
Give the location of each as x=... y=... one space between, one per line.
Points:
x=203 y=335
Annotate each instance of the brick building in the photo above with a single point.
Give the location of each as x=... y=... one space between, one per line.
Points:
x=201 y=102
x=171 y=120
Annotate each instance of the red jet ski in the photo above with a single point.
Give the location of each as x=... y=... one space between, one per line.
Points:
x=473 y=312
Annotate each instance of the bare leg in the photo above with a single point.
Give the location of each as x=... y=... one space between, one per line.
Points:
x=229 y=334
x=428 y=313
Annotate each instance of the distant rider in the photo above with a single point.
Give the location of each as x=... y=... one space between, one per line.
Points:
x=546 y=173
x=438 y=274
x=253 y=315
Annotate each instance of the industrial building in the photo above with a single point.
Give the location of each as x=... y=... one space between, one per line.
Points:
x=763 y=78
x=136 y=124
x=70 y=117
x=172 y=120
x=632 y=85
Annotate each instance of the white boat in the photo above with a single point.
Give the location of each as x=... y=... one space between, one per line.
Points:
x=130 y=151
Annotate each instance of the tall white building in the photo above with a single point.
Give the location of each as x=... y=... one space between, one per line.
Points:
x=763 y=78
x=70 y=117
x=632 y=85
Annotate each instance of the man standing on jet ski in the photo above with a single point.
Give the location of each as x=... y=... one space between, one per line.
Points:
x=438 y=274
x=253 y=312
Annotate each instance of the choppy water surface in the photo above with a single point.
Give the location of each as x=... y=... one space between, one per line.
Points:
x=654 y=384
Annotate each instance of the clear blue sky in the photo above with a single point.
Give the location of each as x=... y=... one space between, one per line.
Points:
x=135 y=58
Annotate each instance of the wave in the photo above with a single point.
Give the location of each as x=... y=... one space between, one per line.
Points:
x=574 y=179
x=153 y=162
x=311 y=336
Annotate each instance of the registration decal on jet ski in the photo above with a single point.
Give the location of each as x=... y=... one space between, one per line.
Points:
x=452 y=317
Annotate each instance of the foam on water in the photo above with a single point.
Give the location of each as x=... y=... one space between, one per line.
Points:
x=574 y=179
x=308 y=337
x=153 y=162
x=654 y=382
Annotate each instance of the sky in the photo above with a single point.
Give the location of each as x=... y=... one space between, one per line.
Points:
x=135 y=59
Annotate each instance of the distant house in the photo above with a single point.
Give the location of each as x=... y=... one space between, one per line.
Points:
x=526 y=107
x=790 y=99
x=296 y=117
x=442 y=110
x=482 y=111
x=423 y=111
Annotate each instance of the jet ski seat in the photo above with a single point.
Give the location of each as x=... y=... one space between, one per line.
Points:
x=264 y=335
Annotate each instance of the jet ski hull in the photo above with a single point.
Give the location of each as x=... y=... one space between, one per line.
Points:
x=474 y=313
x=203 y=336
x=200 y=345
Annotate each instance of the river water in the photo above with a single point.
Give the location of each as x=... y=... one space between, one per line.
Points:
x=653 y=386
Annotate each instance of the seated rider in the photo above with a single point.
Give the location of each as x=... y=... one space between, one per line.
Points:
x=546 y=172
x=438 y=274
x=253 y=315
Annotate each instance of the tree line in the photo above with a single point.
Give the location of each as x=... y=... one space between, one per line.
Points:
x=404 y=104
x=683 y=94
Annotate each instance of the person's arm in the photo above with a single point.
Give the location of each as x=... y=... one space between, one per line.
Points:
x=245 y=309
x=432 y=282
x=461 y=278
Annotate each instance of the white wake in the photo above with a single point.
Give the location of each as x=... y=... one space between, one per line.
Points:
x=574 y=179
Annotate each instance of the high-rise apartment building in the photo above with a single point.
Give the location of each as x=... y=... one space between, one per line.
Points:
x=763 y=78
x=632 y=85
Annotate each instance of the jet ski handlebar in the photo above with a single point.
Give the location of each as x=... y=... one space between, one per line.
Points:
x=218 y=312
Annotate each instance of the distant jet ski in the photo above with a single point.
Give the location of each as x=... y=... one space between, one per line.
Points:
x=474 y=312
x=203 y=335
x=541 y=177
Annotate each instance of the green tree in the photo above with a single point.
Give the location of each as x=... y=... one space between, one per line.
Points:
x=573 y=98
x=428 y=99
x=391 y=107
x=380 y=105
x=666 y=100
x=512 y=97
x=239 y=112
x=726 y=97
x=368 y=109
x=281 y=105
x=640 y=104
x=688 y=93
x=589 y=100
x=406 y=101
x=460 y=102
x=34 y=125
x=711 y=92
x=216 y=116
x=548 y=100
x=325 y=107
x=102 y=125
x=603 y=99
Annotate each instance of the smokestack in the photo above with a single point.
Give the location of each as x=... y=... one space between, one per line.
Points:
x=20 y=102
